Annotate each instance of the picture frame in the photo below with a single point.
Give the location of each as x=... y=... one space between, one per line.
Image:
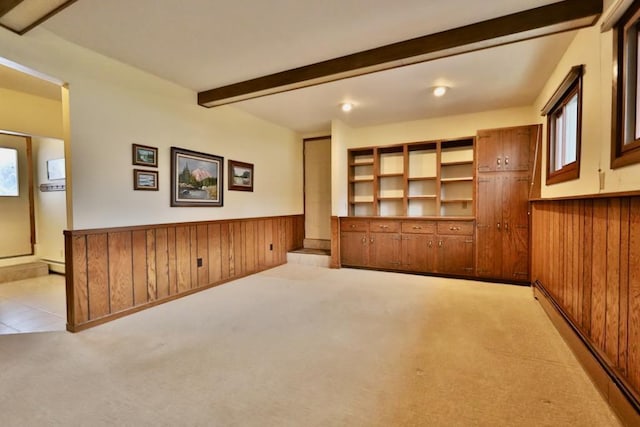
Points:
x=145 y=180
x=144 y=155
x=55 y=169
x=240 y=176
x=197 y=178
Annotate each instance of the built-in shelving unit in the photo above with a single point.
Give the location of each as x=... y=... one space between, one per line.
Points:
x=418 y=179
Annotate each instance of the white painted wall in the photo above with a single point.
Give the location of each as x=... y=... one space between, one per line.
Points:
x=50 y=207
x=593 y=49
x=113 y=105
x=344 y=137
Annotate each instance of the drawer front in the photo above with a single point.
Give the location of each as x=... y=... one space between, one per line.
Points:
x=419 y=227
x=348 y=224
x=384 y=226
x=455 y=227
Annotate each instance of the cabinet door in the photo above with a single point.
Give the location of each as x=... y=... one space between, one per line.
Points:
x=515 y=217
x=515 y=148
x=354 y=248
x=455 y=255
x=489 y=226
x=384 y=250
x=418 y=252
x=489 y=151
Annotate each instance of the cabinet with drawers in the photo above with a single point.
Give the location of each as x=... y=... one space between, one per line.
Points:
x=424 y=246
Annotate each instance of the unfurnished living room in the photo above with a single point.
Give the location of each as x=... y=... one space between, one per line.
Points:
x=295 y=213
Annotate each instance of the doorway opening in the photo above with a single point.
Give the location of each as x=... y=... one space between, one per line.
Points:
x=33 y=201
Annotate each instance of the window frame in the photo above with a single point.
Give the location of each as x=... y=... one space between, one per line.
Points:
x=570 y=87
x=17 y=171
x=625 y=90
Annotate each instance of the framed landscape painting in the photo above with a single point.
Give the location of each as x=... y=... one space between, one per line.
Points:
x=145 y=180
x=240 y=176
x=196 y=178
x=144 y=155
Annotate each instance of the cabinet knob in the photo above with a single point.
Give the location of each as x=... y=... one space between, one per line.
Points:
x=430 y=244
x=352 y=226
x=506 y=226
x=506 y=160
x=364 y=240
x=371 y=240
x=440 y=244
x=499 y=161
x=498 y=226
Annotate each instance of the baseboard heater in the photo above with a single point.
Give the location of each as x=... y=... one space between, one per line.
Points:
x=620 y=383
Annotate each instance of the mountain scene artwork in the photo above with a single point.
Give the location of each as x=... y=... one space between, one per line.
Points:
x=197 y=178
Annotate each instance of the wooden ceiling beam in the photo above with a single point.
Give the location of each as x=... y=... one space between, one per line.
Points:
x=7 y=5
x=549 y=19
x=31 y=25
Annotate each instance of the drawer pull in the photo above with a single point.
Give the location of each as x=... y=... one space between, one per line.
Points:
x=384 y=226
x=417 y=227
x=352 y=226
x=452 y=228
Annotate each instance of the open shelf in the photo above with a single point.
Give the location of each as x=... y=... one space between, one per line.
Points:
x=428 y=178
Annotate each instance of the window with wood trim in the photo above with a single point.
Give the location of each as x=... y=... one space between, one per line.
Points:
x=564 y=128
x=625 y=141
x=9 y=172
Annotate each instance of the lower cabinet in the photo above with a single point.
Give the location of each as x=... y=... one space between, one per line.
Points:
x=425 y=246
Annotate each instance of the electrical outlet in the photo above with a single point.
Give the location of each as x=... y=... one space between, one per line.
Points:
x=199 y=262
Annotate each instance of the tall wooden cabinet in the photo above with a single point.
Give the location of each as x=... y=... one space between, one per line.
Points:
x=504 y=168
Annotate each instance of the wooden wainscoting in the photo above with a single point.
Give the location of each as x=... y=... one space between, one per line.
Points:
x=117 y=271
x=586 y=256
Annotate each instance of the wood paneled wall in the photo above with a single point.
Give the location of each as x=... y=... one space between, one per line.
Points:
x=586 y=254
x=113 y=272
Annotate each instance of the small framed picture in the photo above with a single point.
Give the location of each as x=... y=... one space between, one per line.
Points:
x=240 y=176
x=55 y=169
x=145 y=156
x=145 y=180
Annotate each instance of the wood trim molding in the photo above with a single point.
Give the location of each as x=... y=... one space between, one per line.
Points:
x=587 y=196
x=549 y=19
x=574 y=74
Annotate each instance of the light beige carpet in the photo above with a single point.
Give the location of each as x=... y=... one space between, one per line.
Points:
x=307 y=346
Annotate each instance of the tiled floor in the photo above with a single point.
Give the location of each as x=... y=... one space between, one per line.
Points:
x=33 y=305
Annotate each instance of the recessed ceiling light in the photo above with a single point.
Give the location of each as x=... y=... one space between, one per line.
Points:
x=346 y=106
x=439 y=91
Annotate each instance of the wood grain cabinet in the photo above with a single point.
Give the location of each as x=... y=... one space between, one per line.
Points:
x=455 y=247
x=424 y=246
x=504 y=150
x=504 y=159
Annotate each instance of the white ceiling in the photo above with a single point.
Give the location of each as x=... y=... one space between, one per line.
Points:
x=202 y=44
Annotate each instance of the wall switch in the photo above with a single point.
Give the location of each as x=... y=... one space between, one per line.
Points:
x=601 y=175
x=199 y=261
